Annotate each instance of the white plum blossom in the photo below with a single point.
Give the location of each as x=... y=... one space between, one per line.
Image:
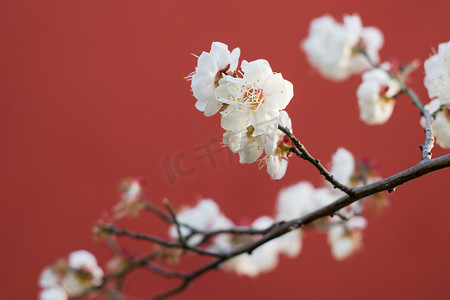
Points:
x=262 y=259
x=277 y=147
x=276 y=166
x=345 y=240
x=83 y=273
x=440 y=126
x=294 y=202
x=53 y=293
x=437 y=74
x=254 y=100
x=132 y=192
x=243 y=142
x=210 y=69
x=343 y=165
x=357 y=223
x=86 y=261
x=70 y=277
x=331 y=46
x=48 y=278
x=376 y=96
x=206 y=216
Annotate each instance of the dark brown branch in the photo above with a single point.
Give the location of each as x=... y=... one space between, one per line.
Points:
x=315 y=162
x=150 y=207
x=138 y=236
x=388 y=184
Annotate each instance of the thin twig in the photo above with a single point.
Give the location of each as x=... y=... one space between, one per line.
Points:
x=150 y=207
x=139 y=236
x=316 y=163
x=181 y=238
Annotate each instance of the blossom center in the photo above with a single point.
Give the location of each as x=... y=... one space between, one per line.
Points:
x=252 y=98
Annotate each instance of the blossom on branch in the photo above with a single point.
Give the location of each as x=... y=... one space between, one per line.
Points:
x=376 y=95
x=131 y=200
x=254 y=100
x=205 y=216
x=243 y=142
x=210 y=69
x=437 y=74
x=53 y=293
x=278 y=148
x=345 y=239
x=440 y=126
x=262 y=259
x=333 y=48
x=70 y=277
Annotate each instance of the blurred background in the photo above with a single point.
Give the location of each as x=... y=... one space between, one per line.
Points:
x=93 y=92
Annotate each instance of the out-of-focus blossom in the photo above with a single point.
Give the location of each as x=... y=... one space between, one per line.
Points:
x=262 y=259
x=206 y=216
x=440 y=126
x=375 y=96
x=345 y=240
x=343 y=165
x=437 y=74
x=357 y=223
x=71 y=277
x=53 y=293
x=331 y=47
x=295 y=201
x=48 y=278
x=83 y=273
x=210 y=69
x=254 y=100
x=132 y=194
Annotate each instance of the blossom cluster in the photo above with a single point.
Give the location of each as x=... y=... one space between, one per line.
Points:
x=69 y=277
x=339 y=50
x=344 y=235
x=251 y=102
x=333 y=48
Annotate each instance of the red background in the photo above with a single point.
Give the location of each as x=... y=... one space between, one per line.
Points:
x=93 y=91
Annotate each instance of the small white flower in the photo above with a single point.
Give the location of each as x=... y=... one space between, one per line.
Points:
x=343 y=166
x=206 y=216
x=276 y=166
x=440 y=126
x=82 y=259
x=243 y=142
x=295 y=201
x=131 y=195
x=210 y=69
x=83 y=272
x=262 y=259
x=277 y=147
x=330 y=46
x=254 y=100
x=53 y=293
x=343 y=242
x=357 y=223
x=437 y=74
x=375 y=96
x=48 y=278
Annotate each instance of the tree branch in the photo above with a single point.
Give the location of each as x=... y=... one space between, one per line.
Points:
x=315 y=162
x=388 y=184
